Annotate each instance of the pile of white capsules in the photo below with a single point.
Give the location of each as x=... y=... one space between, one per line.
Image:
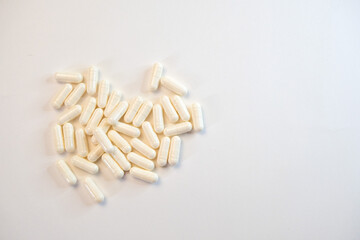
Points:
x=114 y=126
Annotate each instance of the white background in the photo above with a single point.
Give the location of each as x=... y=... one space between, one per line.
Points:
x=279 y=82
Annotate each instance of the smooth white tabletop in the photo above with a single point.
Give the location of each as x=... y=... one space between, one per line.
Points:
x=279 y=82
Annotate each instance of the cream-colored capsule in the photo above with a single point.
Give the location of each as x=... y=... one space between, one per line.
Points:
x=59 y=140
x=103 y=140
x=119 y=141
x=169 y=109
x=143 y=148
x=150 y=135
x=140 y=161
x=94 y=121
x=156 y=75
x=104 y=125
x=60 y=97
x=69 y=137
x=174 y=152
x=112 y=165
x=84 y=164
x=87 y=111
x=142 y=114
x=118 y=112
x=197 y=117
x=127 y=129
x=174 y=86
x=178 y=129
x=133 y=108
x=158 y=118
x=114 y=99
x=121 y=159
x=181 y=108
x=68 y=77
x=75 y=95
x=69 y=114
x=94 y=154
x=104 y=89
x=81 y=142
x=163 y=151
x=144 y=175
x=94 y=190
x=92 y=80
x=66 y=172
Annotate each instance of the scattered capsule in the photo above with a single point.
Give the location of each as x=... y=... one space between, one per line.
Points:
x=104 y=125
x=59 y=140
x=127 y=129
x=114 y=99
x=121 y=159
x=94 y=121
x=174 y=86
x=66 y=172
x=87 y=111
x=144 y=175
x=174 y=152
x=163 y=151
x=68 y=77
x=169 y=109
x=104 y=89
x=119 y=141
x=197 y=117
x=118 y=112
x=178 y=129
x=94 y=154
x=60 y=97
x=92 y=80
x=158 y=118
x=150 y=135
x=69 y=137
x=112 y=165
x=75 y=95
x=140 y=161
x=133 y=108
x=144 y=149
x=181 y=108
x=84 y=165
x=143 y=113
x=156 y=75
x=81 y=142
x=103 y=140
x=69 y=114
x=94 y=190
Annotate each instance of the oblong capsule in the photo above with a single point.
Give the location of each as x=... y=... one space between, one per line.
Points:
x=144 y=149
x=133 y=108
x=94 y=190
x=94 y=154
x=81 y=142
x=156 y=75
x=169 y=109
x=68 y=77
x=174 y=152
x=174 y=86
x=140 y=161
x=92 y=81
x=94 y=121
x=181 y=108
x=178 y=129
x=75 y=95
x=119 y=141
x=104 y=89
x=144 y=175
x=197 y=117
x=59 y=139
x=121 y=159
x=118 y=112
x=112 y=165
x=127 y=129
x=163 y=151
x=105 y=126
x=84 y=164
x=60 y=97
x=158 y=118
x=114 y=99
x=69 y=114
x=143 y=113
x=150 y=135
x=87 y=111
x=69 y=137
x=66 y=172
x=103 y=140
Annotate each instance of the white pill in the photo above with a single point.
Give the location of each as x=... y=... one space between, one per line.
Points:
x=144 y=175
x=118 y=112
x=158 y=118
x=87 y=111
x=84 y=164
x=133 y=108
x=174 y=86
x=174 y=152
x=181 y=108
x=103 y=140
x=69 y=114
x=81 y=143
x=60 y=97
x=66 y=172
x=156 y=75
x=140 y=161
x=144 y=149
x=143 y=113
x=119 y=141
x=112 y=165
x=114 y=99
x=178 y=129
x=104 y=89
x=68 y=77
x=150 y=135
x=75 y=95
x=94 y=190
x=69 y=137
x=59 y=140
x=163 y=151
x=197 y=117
x=94 y=121
x=121 y=159
x=94 y=154
x=104 y=125
x=127 y=129
x=92 y=80
x=169 y=109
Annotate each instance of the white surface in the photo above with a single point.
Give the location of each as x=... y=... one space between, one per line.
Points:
x=279 y=84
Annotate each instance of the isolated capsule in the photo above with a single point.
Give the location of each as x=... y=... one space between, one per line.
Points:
x=140 y=161
x=178 y=129
x=81 y=142
x=103 y=140
x=163 y=151
x=127 y=129
x=144 y=175
x=169 y=109
x=94 y=190
x=118 y=112
x=69 y=137
x=104 y=89
x=95 y=154
x=121 y=159
x=174 y=152
x=158 y=118
x=94 y=121
x=156 y=75
x=66 y=172
x=150 y=135
x=173 y=86
x=112 y=165
x=144 y=149
x=60 y=97
x=87 y=111
x=59 y=140
x=84 y=164
x=68 y=77
x=114 y=99
x=75 y=95
x=197 y=117
x=69 y=114
x=119 y=141
x=143 y=113
x=181 y=108
x=92 y=80
x=133 y=108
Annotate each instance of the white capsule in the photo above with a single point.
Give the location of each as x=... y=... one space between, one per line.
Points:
x=94 y=121
x=127 y=129
x=121 y=159
x=92 y=80
x=81 y=142
x=119 y=141
x=178 y=129
x=144 y=175
x=181 y=108
x=174 y=86
x=68 y=77
x=69 y=114
x=140 y=161
x=66 y=172
x=150 y=135
x=118 y=112
x=75 y=95
x=103 y=140
x=59 y=140
x=174 y=152
x=156 y=75
x=94 y=190
x=144 y=149
x=158 y=118
x=87 y=111
x=104 y=89
x=94 y=154
x=112 y=165
x=163 y=151
x=197 y=117
x=105 y=126
x=69 y=137
x=60 y=97
x=84 y=164
x=114 y=99
x=133 y=108
x=169 y=109
x=143 y=113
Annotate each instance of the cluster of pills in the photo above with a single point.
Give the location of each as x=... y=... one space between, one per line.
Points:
x=112 y=127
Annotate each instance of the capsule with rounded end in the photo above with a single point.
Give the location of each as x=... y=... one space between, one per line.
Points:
x=174 y=152
x=144 y=175
x=104 y=89
x=66 y=172
x=60 y=97
x=75 y=95
x=156 y=75
x=103 y=140
x=119 y=141
x=133 y=108
x=174 y=86
x=59 y=140
x=118 y=112
x=169 y=109
x=143 y=113
x=197 y=117
x=87 y=111
x=140 y=161
x=105 y=126
x=121 y=159
x=150 y=135
x=112 y=165
x=69 y=114
x=158 y=118
x=81 y=142
x=84 y=165
x=92 y=80
x=178 y=129
x=69 y=137
x=163 y=151
x=144 y=149
x=94 y=121
x=94 y=154
x=114 y=99
x=68 y=77
x=181 y=108
x=127 y=129
x=94 y=190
